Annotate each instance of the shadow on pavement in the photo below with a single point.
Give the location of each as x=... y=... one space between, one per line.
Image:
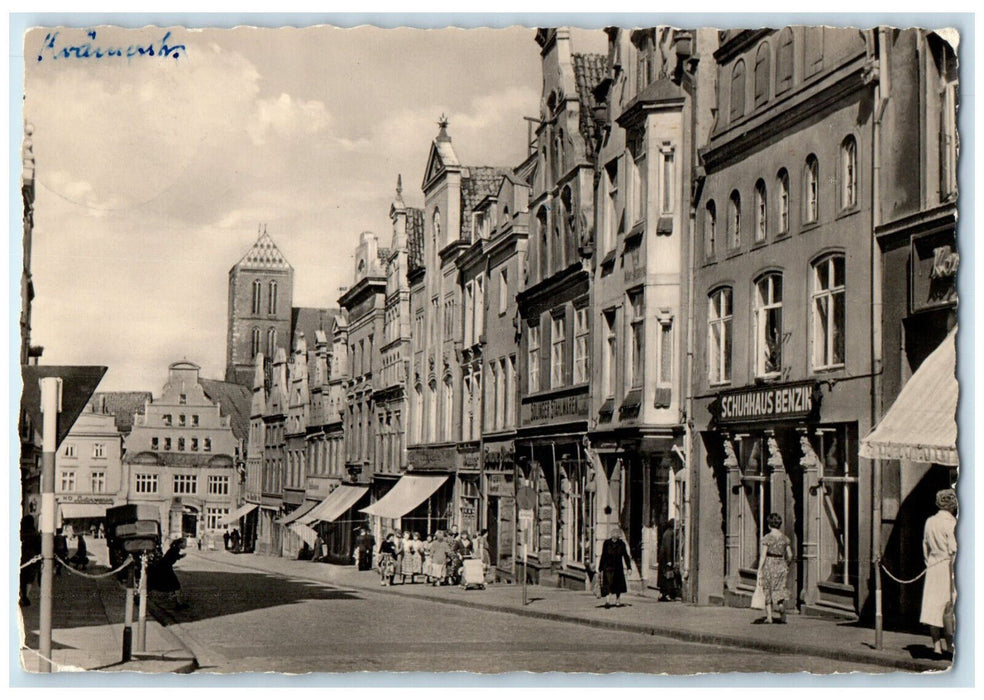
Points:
x=209 y=594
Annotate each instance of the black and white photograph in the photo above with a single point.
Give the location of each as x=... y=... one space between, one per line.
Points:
x=554 y=349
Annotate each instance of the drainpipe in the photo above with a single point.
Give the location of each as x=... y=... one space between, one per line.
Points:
x=882 y=93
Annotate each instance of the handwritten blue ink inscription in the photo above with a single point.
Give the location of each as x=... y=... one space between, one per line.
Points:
x=56 y=49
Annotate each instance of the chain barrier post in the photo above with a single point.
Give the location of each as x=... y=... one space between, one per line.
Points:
x=142 y=614
x=51 y=395
x=128 y=617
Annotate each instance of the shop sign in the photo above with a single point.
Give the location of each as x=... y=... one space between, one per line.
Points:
x=470 y=460
x=499 y=484
x=94 y=500
x=775 y=402
x=434 y=459
x=934 y=271
x=537 y=412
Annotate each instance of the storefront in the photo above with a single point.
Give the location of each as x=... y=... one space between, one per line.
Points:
x=420 y=503
x=772 y=449
x=499 y=497
x=336 y=520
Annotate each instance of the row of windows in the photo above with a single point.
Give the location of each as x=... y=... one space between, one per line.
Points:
x=762 y=214
x=98 y=450
x=827 y=311
x=181 y=484
x=257 y=305
x=183 y=420
x=97 y=481
x=271 y=342
x=180 y=444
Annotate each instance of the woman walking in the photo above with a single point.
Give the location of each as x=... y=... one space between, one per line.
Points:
x=613 y=555
x=939 y=553
x=406 y=566
x=774 y=559
x=439 y=559
x=161 y=576
x=387 y=560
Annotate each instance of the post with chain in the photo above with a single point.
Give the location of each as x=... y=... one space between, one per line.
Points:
x=51 y=398
x=128 y=616
x=142 y=613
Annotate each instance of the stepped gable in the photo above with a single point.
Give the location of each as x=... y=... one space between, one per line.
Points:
x=589 y=70
x=123 y=405
x=234 y=401
x=310 y=320
x=477 y=182
x=264 y=255
x=415 y=238
x=384 y=255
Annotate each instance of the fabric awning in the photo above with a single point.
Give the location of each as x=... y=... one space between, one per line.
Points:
x=82 y=510
x=305 y=533
x=237 y=514
x=297 y=512
x=408 y=493
x=338 y=501
x=921 y=426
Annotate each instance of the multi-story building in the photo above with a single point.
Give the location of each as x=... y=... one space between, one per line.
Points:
x=261 y=288
x=181 y=457
x=270 y=530
x=497 y=408
x=784 y=374
x=443 y=473
x=555 y=306
x=89 y=470
x=640 y=288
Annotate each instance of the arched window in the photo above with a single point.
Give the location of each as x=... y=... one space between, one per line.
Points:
x=782 y=201
x=811 y=190
x=544 y=247
x=734 y=220
x=784 y=60
x=738 y=90
x=768 y=325
x=763 y=59
x=271 y=342
x=761 y=211
x=828 y=312
x=257 y=293
x=710 y=229
x=273 y=297
x=254 y=345
x=436 y=231
x=720 y=314
x=849 y=173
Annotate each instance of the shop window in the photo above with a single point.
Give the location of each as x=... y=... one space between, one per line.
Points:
x=849 y=173
x=581 y=342
x=755 y=505
x=734 y=221
x=828 y=313
x=761 y=211
x=782 y=201
x=576 y=514
x=836 y=494
x=811 y=190
x=737 y=110
x=710 y=229
x=768 y=326
x=533 y=359
x=784 y=61
x=762 y=77
x=719 y=340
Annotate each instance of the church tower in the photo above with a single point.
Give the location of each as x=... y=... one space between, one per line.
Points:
x=261 y=291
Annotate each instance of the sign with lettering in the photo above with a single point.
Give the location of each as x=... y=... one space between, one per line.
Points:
x=775 y=402
x=555 y=409
x=93 y=500
x=934 y=271
x=499 y=484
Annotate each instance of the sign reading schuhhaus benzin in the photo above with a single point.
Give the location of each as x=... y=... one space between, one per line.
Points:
x=774 y=402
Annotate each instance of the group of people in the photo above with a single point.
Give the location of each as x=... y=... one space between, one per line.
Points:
x=436 y=559
x=233 y=541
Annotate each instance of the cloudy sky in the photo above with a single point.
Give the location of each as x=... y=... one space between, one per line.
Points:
x=153 y=174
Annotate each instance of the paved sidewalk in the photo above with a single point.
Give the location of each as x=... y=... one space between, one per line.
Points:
x=704 y=624
x=87 y=622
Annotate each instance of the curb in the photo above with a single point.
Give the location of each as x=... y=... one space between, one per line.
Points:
x=725 y=640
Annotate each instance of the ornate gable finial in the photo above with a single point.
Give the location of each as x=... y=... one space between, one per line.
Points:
x=443 y=122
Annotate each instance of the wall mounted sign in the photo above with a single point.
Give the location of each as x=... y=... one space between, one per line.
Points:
x=555 y=409
x=935 y=262
x=773 y=402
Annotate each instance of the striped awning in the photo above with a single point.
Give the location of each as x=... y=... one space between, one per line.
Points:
x=297 y=513
x=921 y=426
x=337 y=503
x=237 y=514
x=410 y=491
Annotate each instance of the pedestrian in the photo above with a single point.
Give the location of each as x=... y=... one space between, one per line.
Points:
x=669 y=574
x=30 y=548
x=439 y=559
x=482 y=552
x=774 y=557
x=235 y=539
x=225 y=539
x=406 y=564
x=101 y=532
x=939 y=552
x=428 y=561
x=61 y=550
x=417 y=557
x=613 y=554
x=318 y=551
x=386 y=561
x=81 y=558
x=161 y=576
x=365 y=544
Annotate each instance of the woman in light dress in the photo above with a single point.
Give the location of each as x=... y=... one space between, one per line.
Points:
x=939 y=552
x=411 y=558
x=774 y=558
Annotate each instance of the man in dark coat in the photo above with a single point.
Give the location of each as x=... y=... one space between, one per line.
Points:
x=669 y=575
x=613 y=554
x=30 y=548
x=161 y=576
